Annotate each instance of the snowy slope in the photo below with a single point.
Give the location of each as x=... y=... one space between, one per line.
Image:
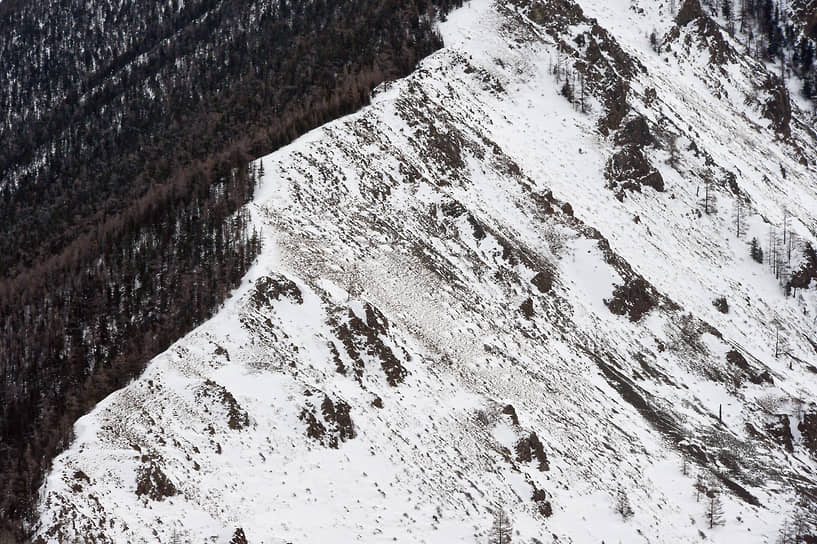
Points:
x=427 y=334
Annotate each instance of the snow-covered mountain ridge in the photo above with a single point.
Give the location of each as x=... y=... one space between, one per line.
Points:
x=477 y=293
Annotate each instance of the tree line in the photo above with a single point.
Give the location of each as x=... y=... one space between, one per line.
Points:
x=128 y=131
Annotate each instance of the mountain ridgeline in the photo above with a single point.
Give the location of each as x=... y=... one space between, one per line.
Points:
x=127 y=132
x=560 y=273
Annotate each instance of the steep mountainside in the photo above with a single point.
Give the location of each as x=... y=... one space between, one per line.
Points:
x=524 y=278
x=127 y=131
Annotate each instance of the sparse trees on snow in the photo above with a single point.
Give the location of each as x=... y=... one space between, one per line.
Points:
x=786 y=535
x=781 y=342
x=700 y=486
x=740 y=217
x=501 y=529
x=709 y=197
x=714 y=508
x=728 y=13
x=797 y=525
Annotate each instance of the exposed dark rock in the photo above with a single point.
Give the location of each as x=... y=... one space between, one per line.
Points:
x=334 y=424
x=527 y=308
x=635 y=132
x=807 y=272
x=721 y=304
x=777 y=108
x=338 y=417
x=654 y=179
x=509 y=410
x=650 y=96
x=508 y=253
x=642 y=401
x=763 y=377
x=737 y=359
x=375 y=319
x=152 y=482
x=529 y=448
x=690 y=10
x=633 y=299
x=732 y=183
x=810 y=28
x=273 y=287
x=808 y=430
x=615 y=105
x=340 y=368
x=445 y=147
x=780 y=431
x=543 y=281
x=708 y=33
x=453 y=208
x=606 y=67
x=543 y=505
x=238 y=537
x=738 y=490
x=561 y=14
x=629 y=164
x=237 y=417
x=359 y=337
x=479 y=230
x=220 y=351
x=314 y=428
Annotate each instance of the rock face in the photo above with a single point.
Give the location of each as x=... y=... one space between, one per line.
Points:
x=453 y=311
x=630 y=167
x=635 y=132
x=777 y=107
x=689 y=11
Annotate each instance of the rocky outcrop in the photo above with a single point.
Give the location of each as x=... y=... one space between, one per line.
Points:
x=633 y=299
x=808 y=430
x=704 y=31
x=630 y=168
x=777 y=107
x=530 y=448
x=635 y=132
x=689 y=11
x=330 y=424
x=275 y=287
x=152 y=482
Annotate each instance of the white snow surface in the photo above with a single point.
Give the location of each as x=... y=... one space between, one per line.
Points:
x=404 y=239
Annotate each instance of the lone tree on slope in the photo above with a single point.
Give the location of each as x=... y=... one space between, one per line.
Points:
x=501 y=529
x=714 y=509
x=756 y=251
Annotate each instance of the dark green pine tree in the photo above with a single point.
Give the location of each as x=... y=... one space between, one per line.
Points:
x=756 y=251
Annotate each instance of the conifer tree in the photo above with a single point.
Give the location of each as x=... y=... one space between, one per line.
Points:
x=714 y=509
x=756 y=251
x=501 y=529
